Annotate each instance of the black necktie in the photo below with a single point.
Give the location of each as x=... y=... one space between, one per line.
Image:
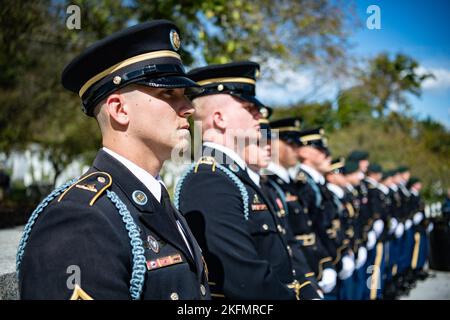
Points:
x=166 y=204
x=171 y=211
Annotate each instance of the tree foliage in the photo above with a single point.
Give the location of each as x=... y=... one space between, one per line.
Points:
x=389 y=81
x=36 y=45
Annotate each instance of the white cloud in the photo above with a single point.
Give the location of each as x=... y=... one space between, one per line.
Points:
x=288 y=86
x=441 y=80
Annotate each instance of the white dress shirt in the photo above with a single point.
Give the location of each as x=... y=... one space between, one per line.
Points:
x=152 y=183
x=338 y=191
x=281 y=172
x=229 y=152
x=254 y=176
x=315 y=175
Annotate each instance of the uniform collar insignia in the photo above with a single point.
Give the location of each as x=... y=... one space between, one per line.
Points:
x=139 y=197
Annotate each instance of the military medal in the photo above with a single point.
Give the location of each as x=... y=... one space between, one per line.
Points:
x=153 y=244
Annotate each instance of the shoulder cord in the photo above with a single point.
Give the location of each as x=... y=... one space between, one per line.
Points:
x=280 y=192
x=228 y=173
x=138 y=272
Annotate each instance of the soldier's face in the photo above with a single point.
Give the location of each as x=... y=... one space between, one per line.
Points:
x=376 y=176
x=241 y=117
x=354 y=178
x=363 y=165
x=158 y=118
x=406 y=175
x=397 y=178
x=324 y=166
x=257 y=156
x=418 y=186
x=287 y=154
x=337 y=179
x=318 y=159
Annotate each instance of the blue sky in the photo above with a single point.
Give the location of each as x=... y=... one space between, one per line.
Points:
x=418 y=28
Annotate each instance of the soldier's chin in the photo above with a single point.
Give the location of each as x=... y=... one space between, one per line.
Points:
x=183 y=143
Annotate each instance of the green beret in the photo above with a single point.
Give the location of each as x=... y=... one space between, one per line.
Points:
x=358 y=155
x=374 y=168
x=387 y=174
x=350 y=167
x=402 y=169
x=412 y=181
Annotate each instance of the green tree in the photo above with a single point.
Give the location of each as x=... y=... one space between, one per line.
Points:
x=390 y=80
x=312 y=114
x=353 y=105
x=36 y=45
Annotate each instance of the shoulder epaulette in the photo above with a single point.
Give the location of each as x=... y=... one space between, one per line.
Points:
x=301 y=177
x=94 y=183
x=206 y=160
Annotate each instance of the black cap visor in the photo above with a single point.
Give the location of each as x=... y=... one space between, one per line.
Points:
x=247 y=98
x=173 y=82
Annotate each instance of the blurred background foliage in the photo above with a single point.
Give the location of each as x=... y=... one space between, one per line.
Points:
x=36 y=45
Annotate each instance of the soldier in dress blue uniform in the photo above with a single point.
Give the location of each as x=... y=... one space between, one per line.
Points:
x=247 y=256
x=378 y=214
x=421 y=230
x=313 y=153
x=337 y=183
x=402 y=176
x=355 y=228
x=113 y=233
x=303 y=239
x=391 y=224
x=258 y=157
x=396 y=243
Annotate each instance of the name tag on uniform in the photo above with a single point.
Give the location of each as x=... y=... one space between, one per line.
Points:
x=259 y=207
x=164 y=262
x=291 y=197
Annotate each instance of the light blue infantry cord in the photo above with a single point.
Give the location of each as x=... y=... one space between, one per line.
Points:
x=314 y=186
x=137 y=248
x=32 y=220
x=228 y=173
x=280 y=192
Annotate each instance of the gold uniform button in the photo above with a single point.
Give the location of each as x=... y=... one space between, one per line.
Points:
x=202 y=290
x=174 y=296
x=309 y=223
x=280 y=228
x=265 y=227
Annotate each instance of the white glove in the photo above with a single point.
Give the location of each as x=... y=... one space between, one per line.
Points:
x=430 y=227
x=399 y=230
x=371 y=240
x=348 y=266
x=328 y=281
x=408 y=224
x=362 y=257
x=418 y=217
x=378 y=227
x=393 y=225
x=320 y=293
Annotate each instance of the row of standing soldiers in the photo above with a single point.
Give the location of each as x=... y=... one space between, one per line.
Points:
x=241 y=226
x=281 y=220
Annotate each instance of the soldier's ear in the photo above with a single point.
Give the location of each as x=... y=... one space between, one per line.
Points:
x=117 y=109
x=219 y=120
